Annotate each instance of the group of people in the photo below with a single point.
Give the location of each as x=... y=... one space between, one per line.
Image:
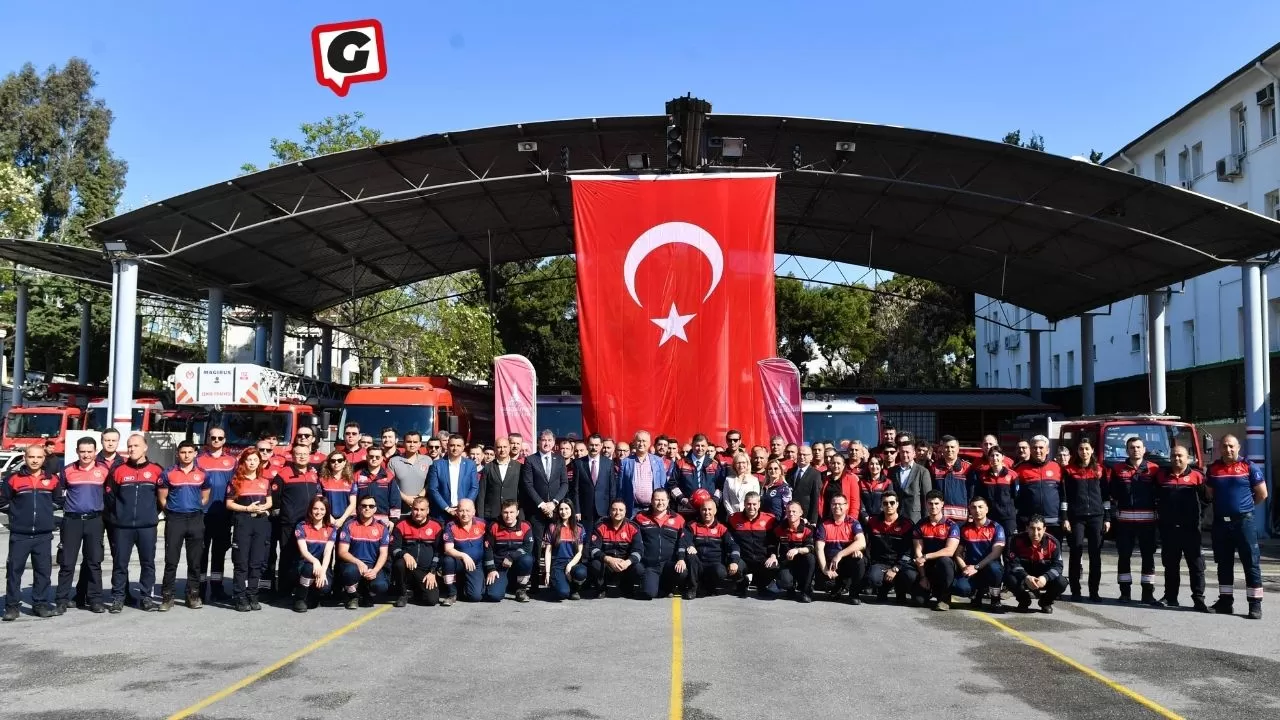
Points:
x=402 y=520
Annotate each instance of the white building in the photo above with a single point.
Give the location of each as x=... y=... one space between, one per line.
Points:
x=1223 y=145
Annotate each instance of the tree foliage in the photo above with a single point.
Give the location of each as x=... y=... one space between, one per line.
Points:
x=57 y=177
x=55 y=131
x=1014 y=137
x=424 y=328
x=536 y=310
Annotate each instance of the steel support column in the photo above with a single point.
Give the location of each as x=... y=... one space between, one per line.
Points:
x=1255 y=356
x=19 y=345
x=1267 y=452
x=125 y=302
x=309 y=359
x=1157 y=362
x=277 y=339
x=344 y=370
x=377 y=370
x=1087 y=406
x=86 y=329
x=1033 y=370
x=326 y=354
x=137 y=355
x=260 y=341
x=213 y=328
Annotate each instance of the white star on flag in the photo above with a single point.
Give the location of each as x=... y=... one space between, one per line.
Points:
x=672 y=325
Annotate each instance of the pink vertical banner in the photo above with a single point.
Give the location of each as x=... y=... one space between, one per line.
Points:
x=515 y=397
x=780 y=387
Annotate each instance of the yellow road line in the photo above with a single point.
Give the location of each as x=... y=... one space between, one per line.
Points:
x=1142 y=700
x=233 y=689
x=677 y=662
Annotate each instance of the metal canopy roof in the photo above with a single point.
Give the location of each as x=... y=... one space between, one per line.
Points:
x=1055 y=235
x=91 y=266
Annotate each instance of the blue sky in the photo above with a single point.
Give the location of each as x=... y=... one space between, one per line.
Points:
x=199 y=88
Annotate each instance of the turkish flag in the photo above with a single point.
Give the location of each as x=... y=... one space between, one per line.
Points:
x=675 y=302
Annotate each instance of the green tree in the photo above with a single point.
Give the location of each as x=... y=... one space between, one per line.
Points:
x=57 y=177
x=535 y=305
x=927 y=335
x=427 y=327
x=1014 y=137
x=19 y=203
x=55 y=131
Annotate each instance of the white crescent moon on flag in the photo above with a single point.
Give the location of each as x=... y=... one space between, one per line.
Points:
x=666 y=234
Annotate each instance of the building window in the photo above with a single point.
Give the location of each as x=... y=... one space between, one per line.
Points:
x=1239 y=131
x=1189 y=340
x=1071 y=368
x=1267 y=112
x=1271 y=201
x=1197 y=160
x=1055 y=371
x=1184 y=168
x=1160 y=167
x=1135 y=343
x=1273 y=325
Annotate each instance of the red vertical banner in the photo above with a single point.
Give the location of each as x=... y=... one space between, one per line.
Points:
x=780 y=387
x=675 y=302
x=515 y=395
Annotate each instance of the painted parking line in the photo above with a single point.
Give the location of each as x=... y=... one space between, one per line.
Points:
x=287 y=660
x=676 y=711
x=1133 y=695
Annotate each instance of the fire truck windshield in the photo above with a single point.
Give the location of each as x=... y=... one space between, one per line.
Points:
x=98 y=418
x=33 y=425
x=245 y=427
x=560 y=418
x=837 y=426
x=1158 y=439
x=401 y=418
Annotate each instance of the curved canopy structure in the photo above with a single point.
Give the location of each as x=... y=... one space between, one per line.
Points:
x=1055 y=235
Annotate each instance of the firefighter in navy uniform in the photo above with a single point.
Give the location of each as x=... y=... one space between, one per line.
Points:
x=29 y=496
x=1134 y=494
x=83 y=485
x=616 y=551
x=292 y=489
x=508 y=554
x=840 y=547
x=184 y=492
x=793 y=554
x=711 y=553
x=1236 y=487
x=890 y=548
x=1181 y=487
x=753 y=531
x=696 y=471
x=660 y=531
x=132 y=495
x=1035 y=567
x=415 y=555
x=110 y=459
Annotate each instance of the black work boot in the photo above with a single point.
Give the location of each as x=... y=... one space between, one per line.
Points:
x=61 y=607
x=11 y=613
x=1255 y=610
x=1149 y=596
x=166 y=602
x=1224 y=605
x=1125 y=593
x=300 y=599
x=44 y=611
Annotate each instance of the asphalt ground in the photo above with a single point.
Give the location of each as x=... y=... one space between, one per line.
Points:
x=719 y=657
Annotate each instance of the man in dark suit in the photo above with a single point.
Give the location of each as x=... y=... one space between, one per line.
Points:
x=499 y=482
x=806 y=484
x=450 y=480
x=597 y=483
x=543 y=484
x=912 y=481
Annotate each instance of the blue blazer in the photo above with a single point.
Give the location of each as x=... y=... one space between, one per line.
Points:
x=438 y=484
x=626 y=479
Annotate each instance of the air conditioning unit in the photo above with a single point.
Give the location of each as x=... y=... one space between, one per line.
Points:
x=1013 y=342
x=1229 y=168
x=993 y=346
x=1267 y=94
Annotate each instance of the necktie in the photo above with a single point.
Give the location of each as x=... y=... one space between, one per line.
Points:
x=594 y=470
x=546 y=465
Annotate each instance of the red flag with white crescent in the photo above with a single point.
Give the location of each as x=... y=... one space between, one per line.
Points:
x=675 y=302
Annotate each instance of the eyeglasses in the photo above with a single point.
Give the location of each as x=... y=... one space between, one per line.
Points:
x=368 y=507
x=264 y=450
x=337 y=461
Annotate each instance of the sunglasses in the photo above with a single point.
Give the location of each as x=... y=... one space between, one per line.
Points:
x=368 y=507
x=337 y=461
x=216 y=438
x=307 y=436
x=887 y=503
x=264 y=450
